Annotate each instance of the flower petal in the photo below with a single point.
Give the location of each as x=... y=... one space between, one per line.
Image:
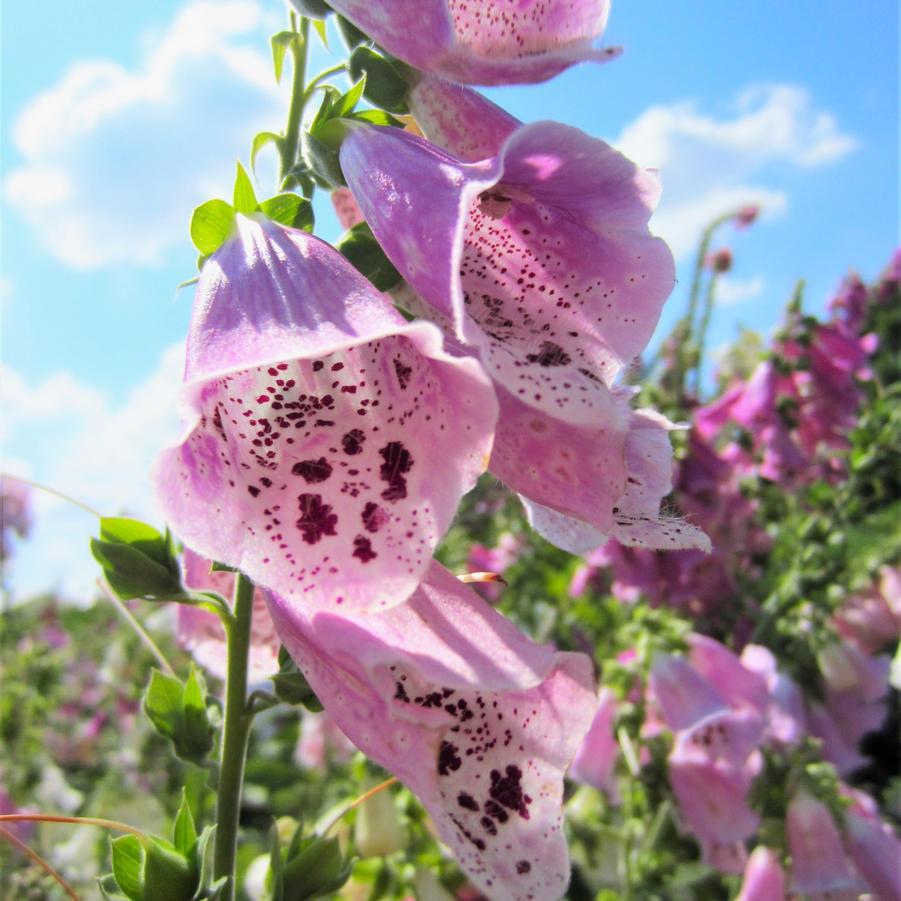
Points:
x=314 y=412
x=475 y=718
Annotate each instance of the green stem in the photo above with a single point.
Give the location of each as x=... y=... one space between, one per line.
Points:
x=298 y=99
x=235 y=732
x=706 y=313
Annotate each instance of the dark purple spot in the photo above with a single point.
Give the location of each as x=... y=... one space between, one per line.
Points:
x=316 y=518
x=467 y=801
x=374 y=517
x=317 y=365
x=488 y=825
x=400 y=693
x=523 y=867
x=448 y=760
x=253 y=490
x=313 y=470
x=493 y=809
x=352 y=442
x=507 y=790
x=550 y=354
x=363 y=549
x=397 y=462
x=403 y=373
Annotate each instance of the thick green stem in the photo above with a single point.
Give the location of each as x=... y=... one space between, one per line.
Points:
x=706 y=313
x=298 y=98
x=235 y=731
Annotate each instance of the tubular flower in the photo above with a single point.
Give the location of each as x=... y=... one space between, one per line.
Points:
x=485 y=41
x=763 y=878
x=538 y=261
x=314 y=416
x=475 y=718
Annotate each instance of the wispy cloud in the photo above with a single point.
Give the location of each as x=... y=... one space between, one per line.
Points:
x=66 y=434
x=711 y=164
x=731 y=291
x=114 y=159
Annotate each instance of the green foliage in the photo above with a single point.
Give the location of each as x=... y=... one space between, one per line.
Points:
x=178 y=711
x=387 y=81
x=245 y=200
x=137 y=560
x=290 y=685
x=360 y=248
x=212 y=225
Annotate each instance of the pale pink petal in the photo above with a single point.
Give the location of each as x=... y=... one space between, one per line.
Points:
x=763 y=879
x=473 y=717
x=595 y=761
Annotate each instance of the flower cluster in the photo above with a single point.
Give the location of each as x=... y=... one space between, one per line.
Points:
x=329 y=439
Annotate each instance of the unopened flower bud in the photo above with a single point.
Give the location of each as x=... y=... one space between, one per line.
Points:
x=720 y=260
x=747 y=215
x=378 y=830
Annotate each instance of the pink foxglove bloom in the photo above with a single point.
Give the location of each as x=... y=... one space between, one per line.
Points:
x=476 y=719
x=819 y=868
x=874 y=847
x=484 y=41
x=595 y=761
x=763 y=879
x=786 y=723
x=15 y=514
x=872 y=619
x=537 y=259
x=327 y=441
x=321 y=741
x=201 y=633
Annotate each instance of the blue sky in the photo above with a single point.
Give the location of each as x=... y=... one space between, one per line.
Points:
x=118 y=118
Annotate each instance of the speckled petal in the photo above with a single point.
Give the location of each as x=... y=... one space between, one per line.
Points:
x=485 y=41
x=479 y=721
x=328 y=441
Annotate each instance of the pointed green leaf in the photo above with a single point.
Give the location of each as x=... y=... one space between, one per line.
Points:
x=319 y=25
x=289 y=209
x=163 y=703
x=349 y=32
x=318 y=870
x=280 y=44
x=259 y=142
x=245 y=197
x=128 y=866
x=137 y=560
x=330 y=96
x=168 y=875
x=109 y=888
x=348 y=101
x=276 y=875
x=184 y=833
x=376 y=117
x=387 y=81
x=361 y=249
x=205 y=856
x=212 y=225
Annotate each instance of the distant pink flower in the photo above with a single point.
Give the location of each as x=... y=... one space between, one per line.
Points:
x=346 y=208
x=747 y=215
x=482 y=42
x=819 y=868
x=201 y=633
x=476 y=719
x=494 y=560
x=720 y=261
x=595 y=761
x=872 y=619
x=539 y=263
x=321 y=741
x=874 y=847
x=15 y=513
x=763 y=877
x=316 y=413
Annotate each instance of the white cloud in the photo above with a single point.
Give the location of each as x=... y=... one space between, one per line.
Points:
x=71 y=437
x=731 y=291
x=115 y=159
x=710 y=165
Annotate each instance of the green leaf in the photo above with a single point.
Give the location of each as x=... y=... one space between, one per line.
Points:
x=319 y=25
x=163 y=703
x=330 y=96
x=313 y=9
x=322 y=161
x=260 y=141
x=128 y=865
x=289 y=209
x=387 y=81
x=276 y=870
x=245 y=198
x=280 y=44
x=348 y=101
x=212 y=225
x=184 y=833
x=109 y=888
x=197 y=735
x=376 y=117
x=290 y=685
x=361 y=249
x=318 y=870
x=205 y=857
x=168 y=875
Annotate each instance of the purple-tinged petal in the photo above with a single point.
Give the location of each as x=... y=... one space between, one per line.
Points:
x=482 y=41
x=727 y=858
x=839 y=748
x=818 y=864
x=316 y=414
x=346 y=208
x=874 y=847
x=200 y=632
x=764 y=879
x=726 y=738
x=321 y=741
x=460 y=120
x=595 y=761
x=479 y=721
x=684 y=696
x=740 y=686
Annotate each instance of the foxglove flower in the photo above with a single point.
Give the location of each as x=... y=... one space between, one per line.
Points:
x=763 y=878
x=476 y=719
x=327 y=441
x=484 y=41
x=538 y=261
x=819 y=868
x=873 y=846
x=200 y=632
x=595 y=761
